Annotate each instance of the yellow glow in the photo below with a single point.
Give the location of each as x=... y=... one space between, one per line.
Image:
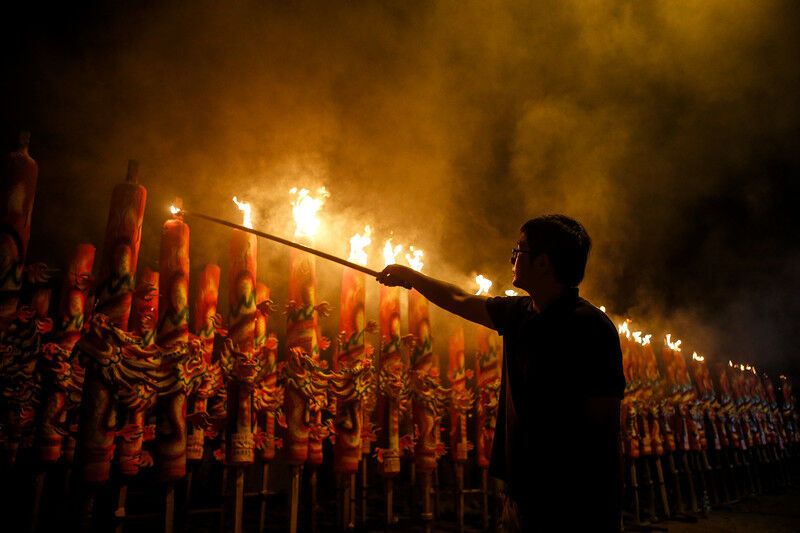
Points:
x=511 y=292
x=698 y=358
x=484 y=284
x=623 y=329
x=304 y=210
x=174 y=210
x=602 y=308
x=646 y=339
x=415 y=258
x=247 y=212
x=390 y=252
x=358 y=243
x=730 y=363
x=674 y=346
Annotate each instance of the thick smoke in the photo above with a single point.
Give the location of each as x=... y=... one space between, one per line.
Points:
x=669 y=129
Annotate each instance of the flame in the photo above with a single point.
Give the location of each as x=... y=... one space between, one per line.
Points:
x=674 y=346
x=484 y=284
x=511 y=292
x=698 y=358
x=602 y=308
x=175 y=210
x=304 y=210
x=247 y=212
x=357 y=244
x=623 y=329
x=415 y=258
x=637 y=336
x=646 y=339
x=730 y=363
x=390 y=252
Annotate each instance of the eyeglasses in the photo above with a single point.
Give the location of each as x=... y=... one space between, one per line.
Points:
x=515 y=252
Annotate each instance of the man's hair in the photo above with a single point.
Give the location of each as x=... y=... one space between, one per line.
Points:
x=565 y=242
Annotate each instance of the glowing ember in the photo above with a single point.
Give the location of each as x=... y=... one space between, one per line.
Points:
x=390 y=252
x=304 y=210
x=484 y=284
x=247 y=212
x=698 y=358
x=358 y=243
x=623 y=328
x=674 y=346
x=415 y=258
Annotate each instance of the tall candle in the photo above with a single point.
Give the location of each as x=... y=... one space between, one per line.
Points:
x=461 y=399
x=173 y=329
x=121 y=248
x=143 y=323
x=205 y=311
x=17 y=192
x=64 y=376
x=390 y=381
x=349 y=415
x=487 y=378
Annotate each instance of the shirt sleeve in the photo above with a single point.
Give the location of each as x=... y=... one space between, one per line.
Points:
x=506 y=312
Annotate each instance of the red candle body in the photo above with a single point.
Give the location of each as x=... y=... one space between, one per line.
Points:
x=173 y=329
x=240 y=446
x=488 y=369
x=121 y=250
x=65 y=375
x=17 y=192
x=461 y=399
x=205 y=309
x=390 y=381
x=301 y=332
x=424 y=363
x=349 y=414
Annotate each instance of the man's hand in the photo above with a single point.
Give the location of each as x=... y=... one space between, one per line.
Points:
x=398 y=276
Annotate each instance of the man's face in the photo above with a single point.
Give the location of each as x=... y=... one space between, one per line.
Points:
x=521 y=268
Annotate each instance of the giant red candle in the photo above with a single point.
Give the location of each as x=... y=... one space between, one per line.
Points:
x=17 y=192
x=64 y=375
x=205 y=311
x=121 y=248
x=173 y=329
x=390 y=381
x=461 y=400
x=487 y=377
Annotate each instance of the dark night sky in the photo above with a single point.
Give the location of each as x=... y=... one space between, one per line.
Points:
x=669 y=129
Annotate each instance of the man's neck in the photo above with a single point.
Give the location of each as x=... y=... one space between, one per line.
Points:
x=545 y=297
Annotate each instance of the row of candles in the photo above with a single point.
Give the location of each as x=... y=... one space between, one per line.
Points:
x=138 y=351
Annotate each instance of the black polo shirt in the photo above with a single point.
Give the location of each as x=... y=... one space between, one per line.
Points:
x=554 y=361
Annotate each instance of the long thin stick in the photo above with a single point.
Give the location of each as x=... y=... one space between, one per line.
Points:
x=324 y=255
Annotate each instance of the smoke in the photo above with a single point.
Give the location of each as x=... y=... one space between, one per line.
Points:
x=669 y=129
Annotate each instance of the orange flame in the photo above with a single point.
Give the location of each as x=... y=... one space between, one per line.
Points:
x=415 y=258
x=175 y=210
x=484 y=284
x=358 y=243
x=698 y=358
x=623 y=329
x=390 y=252
x=247 y=212
x=304 y=210
x=511 y=292
x=674 y=346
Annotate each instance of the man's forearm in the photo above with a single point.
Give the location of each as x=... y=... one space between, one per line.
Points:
x=453 y=299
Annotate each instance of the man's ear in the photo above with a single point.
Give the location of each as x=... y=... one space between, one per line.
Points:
x=543 y=263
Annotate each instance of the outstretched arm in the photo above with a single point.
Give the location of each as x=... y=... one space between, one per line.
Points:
x=447 y=296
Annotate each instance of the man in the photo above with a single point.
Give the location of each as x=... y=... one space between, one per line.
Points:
x=556 y=444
